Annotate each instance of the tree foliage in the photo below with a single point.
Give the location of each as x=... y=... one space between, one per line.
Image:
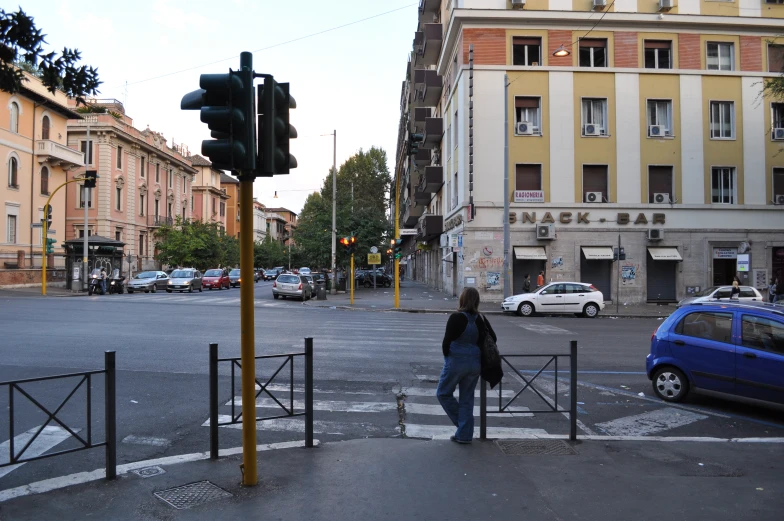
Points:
x=196 y=244
x=22 y=42
x=269 y=254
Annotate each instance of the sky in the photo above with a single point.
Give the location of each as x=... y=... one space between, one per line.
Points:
x=149 y=53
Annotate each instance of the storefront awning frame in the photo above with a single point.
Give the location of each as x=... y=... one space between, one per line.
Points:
x=597 y=252
x=665 y=253
x=530 y=253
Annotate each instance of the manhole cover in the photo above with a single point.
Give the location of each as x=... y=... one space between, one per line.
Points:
x=148 y=472
x=188 y=496
x=535 y=447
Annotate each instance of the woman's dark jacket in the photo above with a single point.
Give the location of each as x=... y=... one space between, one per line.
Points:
x=456 y=325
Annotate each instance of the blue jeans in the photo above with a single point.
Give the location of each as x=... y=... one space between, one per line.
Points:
x=463 y=371
x=103 y=286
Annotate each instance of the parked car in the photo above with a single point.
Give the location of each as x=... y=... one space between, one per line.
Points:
x=311 y=282
x=234 y=277
x=186 y=279
x=735 y=348
x=747 y=294
x=557 y=297
x=148 y=281
x=290 y=285
x=305 y=271
x=256 y=274
x=382 y=280
x=217 y=278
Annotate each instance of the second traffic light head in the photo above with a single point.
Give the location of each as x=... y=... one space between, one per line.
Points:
x=275 y=131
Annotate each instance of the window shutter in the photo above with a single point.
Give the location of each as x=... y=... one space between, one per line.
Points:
x=528 y=177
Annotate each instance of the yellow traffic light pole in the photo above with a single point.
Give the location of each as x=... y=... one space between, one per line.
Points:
x=397 y=234
x=352 y=279
x=46 y=231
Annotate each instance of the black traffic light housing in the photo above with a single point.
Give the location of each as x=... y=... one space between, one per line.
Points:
x=48 y=216
x=398 y=246
x=349 y=243
x=275 y=131
x=89 y=178
x=50 y=245
x=413 y=143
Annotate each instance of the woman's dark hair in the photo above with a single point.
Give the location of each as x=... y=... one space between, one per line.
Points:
x=469 y=301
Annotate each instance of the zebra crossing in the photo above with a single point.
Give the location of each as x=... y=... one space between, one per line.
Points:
x=194 y=299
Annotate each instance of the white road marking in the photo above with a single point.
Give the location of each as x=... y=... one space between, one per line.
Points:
x=49 y=438
x=422 y=391
x=324 y=405
x=286 y=388
x=146 y=440
x=437 y=410
x=544 y=329
x=650 y=422
x=297 y=425
x=443 y=432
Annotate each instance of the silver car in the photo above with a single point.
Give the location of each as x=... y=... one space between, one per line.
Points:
x=234 y=278
x=184 y=280
x=290 y=285
x=148 y=281
x=311 y=282
x=714 y=293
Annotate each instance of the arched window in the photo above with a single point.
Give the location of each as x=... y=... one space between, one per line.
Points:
x=44 y=181
x=45 y=128
x=13 y=167
x=14 y=108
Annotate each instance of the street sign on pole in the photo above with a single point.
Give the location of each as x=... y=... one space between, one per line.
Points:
x=409 y=231
x=373 y=250
x=374 y=258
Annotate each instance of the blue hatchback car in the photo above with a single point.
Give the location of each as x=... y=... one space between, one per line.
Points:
x=733 y=348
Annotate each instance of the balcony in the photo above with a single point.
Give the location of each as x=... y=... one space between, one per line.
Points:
x=428 y=86
x=56 y=154
x=421 y=197
x=429 y=6
x=156 y=221
x=420 y=114
x=432 y=179
x=430 y=48
x=412 y=214
x=422 y=158
x=430 y=227
x=434 y=132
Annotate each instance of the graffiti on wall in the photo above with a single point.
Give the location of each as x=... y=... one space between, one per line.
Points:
x=557 y=262
x=629 y=274
x=493 y=280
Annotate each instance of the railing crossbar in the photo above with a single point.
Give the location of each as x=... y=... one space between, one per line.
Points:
x=263 y=387
x=527 y=383
x=52 y=454
x=53 y=377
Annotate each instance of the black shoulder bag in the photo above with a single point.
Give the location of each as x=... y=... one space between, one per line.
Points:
x=491 y=358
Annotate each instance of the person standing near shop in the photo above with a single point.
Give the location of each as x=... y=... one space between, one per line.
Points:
x=540 y=279
x=527 y=283
x=772 y=290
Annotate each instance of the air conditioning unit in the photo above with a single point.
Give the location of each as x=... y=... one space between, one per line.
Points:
x=524 y=128
x=656 y=131
x=778 y=134
x=656 y=234
x=519 y=4
x=599 y=4
x=592 y=130
x=593 y=197
x=666 y=5
x=545 y=231
x=661 y=198
x=778 y=199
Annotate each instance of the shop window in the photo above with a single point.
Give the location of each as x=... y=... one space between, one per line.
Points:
x=723 y=185
x=658 y=54
x=593 y=52
x=526 y=51
x=528 y=177
x=595 y=180
x=660 y=184
x=720 y=56
x=659 y=118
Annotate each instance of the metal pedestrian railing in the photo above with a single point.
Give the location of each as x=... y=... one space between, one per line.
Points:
x=86 y=442
x=289 y=412
x=552 y=405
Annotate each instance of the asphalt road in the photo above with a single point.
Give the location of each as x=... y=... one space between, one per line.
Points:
x=375 y=375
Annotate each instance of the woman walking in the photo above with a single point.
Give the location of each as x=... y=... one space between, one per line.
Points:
x=465 y=332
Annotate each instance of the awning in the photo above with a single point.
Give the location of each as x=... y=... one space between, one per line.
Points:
x=665 y=254
x=529 y=253
x=598 y=252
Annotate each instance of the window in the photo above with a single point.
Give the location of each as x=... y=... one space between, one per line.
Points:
x=526 y=51
x=762 y=333
x=157 y=173
x=658 y=54
x=223 y=209
x=778 y=182
x=87 y=151
x=13 y=173
x=775 y=58
x=144 y=161
x=528 y=177
x=594 y=117
x=157 y=208
x=44 y=181
x=191 y=202
x=660 y=182
x=593 y=52
x=454 y=139
x=527 y=110
x=214 y=206
x=141 y=244
x=171 y=178
x=722 y=119
x=723 y=185
x=710 y=326
x=777 y=116
x=141 y=205
x=169 y=208
x=454 y=191
x=85 y=194
x=721 y=56
x=11 y=229
x=118 y=197
x=595 y=180
x=659 y=115
x=14 y=109
x=119 y=157
x=118 y=234
x=45 y=124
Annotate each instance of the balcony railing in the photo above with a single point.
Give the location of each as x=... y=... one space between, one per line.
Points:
x=434 y=132
x=57 y=154
x=158 y=220
x=429 y=51
x=428 y=86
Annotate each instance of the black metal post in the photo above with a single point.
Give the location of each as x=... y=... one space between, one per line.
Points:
x=308 y=392
x=111 y=415
x=573 y=391
x=214 y=401
x=482 y=409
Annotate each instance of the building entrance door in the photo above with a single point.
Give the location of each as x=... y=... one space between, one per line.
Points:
x=724 y=265
x=597 y=269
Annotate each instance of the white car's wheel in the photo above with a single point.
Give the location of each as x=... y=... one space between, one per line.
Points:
x=591 y=310
x=525 y=309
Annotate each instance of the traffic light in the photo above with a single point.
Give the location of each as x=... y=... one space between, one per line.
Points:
x=413 y=143
x=389 y=251
x=50 y=245
x=48 y=216
x=345 y=243
x=398 y=244
x=275 y=131
x=352 y=244
x=89 y=178
x=227 y=105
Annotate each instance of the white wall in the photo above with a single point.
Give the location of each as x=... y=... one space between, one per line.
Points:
x=627 y=135
x=560 y=5
x=561 y=137
x=689 y=6
x=488 y=138
x=625 y=6
x=690 y=133
x=750 y=7
x=479 y=4
x=753 y=142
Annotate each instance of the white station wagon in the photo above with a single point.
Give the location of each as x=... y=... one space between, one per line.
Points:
x=579 y=298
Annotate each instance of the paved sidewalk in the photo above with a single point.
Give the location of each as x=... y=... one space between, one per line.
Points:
x=35 y=291
x=403 y=479
x=416 y=297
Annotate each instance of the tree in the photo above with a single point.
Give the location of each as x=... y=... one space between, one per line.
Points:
x=21 y=49
x=196 y=243
x=269 y=253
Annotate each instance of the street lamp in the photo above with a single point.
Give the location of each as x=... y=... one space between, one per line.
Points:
x=562 y=51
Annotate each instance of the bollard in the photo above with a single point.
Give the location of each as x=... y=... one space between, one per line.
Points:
x=111 y=415
x=308 y=392
x=482 y=409
x=214 y=401
x=573 y=391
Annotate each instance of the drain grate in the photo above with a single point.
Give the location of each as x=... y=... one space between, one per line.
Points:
x=535 y=447
x=148 y=472
x=188 y=496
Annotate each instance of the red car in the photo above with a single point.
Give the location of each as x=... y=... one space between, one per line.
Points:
x=216 y=279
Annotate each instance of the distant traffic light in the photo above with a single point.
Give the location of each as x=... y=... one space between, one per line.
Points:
x=352 y=244
x=275 y=131
x=345 y=243
x=398 y=244
x=413 y=143
x=50 y=245
x=48 y=216
x=89 y=178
